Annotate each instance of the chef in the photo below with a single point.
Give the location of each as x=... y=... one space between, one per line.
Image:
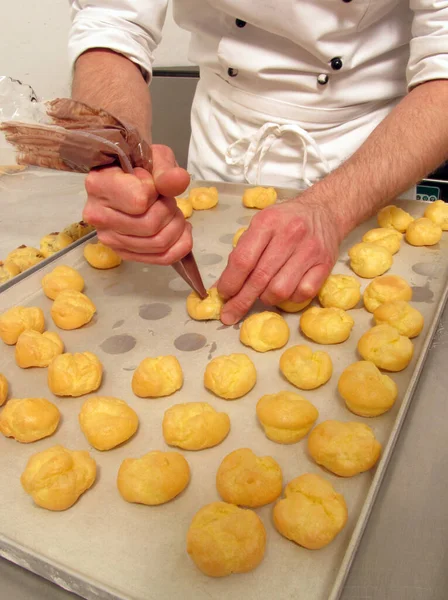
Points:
x=344 y=99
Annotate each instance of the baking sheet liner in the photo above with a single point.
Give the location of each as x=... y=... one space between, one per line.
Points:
x=105 y=548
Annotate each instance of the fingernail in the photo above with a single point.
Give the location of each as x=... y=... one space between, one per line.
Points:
x=229 y=318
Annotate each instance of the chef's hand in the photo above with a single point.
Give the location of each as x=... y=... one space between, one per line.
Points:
x=287 y=253
x=137 y=215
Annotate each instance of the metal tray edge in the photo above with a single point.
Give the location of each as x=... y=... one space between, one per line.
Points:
x=43 y=263
x=61 y=576
x=369 y=502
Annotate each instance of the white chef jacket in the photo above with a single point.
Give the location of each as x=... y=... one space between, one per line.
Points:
x=289 y=89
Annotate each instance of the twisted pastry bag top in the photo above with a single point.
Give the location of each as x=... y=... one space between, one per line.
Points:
x=263 y=65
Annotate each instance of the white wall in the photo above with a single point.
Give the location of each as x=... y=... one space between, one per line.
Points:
x=33 y=45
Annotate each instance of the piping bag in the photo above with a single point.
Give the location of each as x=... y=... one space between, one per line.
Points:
x=80 y=138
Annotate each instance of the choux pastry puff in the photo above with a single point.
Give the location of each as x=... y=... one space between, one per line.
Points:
x=25 y=257
x=389 y=238
x=237 y=236
x=8 y=270
x=4 y=389
x=264 y=331
x=312 y=513
x=29 y=419
x=78 y=230
x=53 y=242
x=203 y=198
x=438 y=213
x=75 y=374
x=194 y=426
x=369 y=260
x=340 y=291
x=386 y=348
x=406 y=319
x=304 y=368
x=73 y=472
x=292 y=307
x=72 y=309
x=286 y=417
x=249 y=480
x=155 y=478
x=185 y=205
x=107 y=421
x=157 y=377
x=205 y=310
x=259 y=197
x=34 y=349
x=62 y=278
x=326 y=325
x=423 y=232
x=100 y=256
x=14 y=321
x=345 y=449
x=394 y=217
x=230 y=377
x=225 y=539
x=385 y=288
x=366 y=391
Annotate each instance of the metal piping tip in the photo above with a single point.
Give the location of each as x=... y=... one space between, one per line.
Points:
x=188 y=270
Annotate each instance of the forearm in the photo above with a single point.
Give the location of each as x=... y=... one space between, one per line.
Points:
x=410 y=143
x=104 y=79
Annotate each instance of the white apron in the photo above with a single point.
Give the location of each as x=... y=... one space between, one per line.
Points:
x=241 y=137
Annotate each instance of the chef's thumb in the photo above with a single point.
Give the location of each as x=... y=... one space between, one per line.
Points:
x=170 y=179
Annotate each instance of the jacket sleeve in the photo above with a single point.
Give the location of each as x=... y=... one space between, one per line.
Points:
x=130 y=27
x=428 y=58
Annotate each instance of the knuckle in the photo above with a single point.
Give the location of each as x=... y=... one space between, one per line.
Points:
x=93 y=216
x=164 y=151
x=241 y=305
x=268 y=299
x=170 y=237
x=88 y=214
x=315 y=247
x=263 y=218
x=299 y=296
x=277 y=291
x=105 y=238
x=296 y=227
x=187 y=244
x=260 y=277
x=91 y=183
x=151 y=228
x=108 y=239
x=163 y=244
x=239 y=261
x=138 y=202
x=165 y=261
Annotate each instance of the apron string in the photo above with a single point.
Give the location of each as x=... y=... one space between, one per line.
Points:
x=252 y=149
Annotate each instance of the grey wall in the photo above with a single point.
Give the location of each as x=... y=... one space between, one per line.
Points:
x=172 y=97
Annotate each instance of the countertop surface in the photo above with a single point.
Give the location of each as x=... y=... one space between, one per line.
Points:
x=403 y=554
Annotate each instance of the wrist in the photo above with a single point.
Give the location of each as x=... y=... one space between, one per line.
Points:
x=336 y=210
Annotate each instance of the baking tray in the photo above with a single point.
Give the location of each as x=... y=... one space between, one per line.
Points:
x=36 y=202
x=105 y=548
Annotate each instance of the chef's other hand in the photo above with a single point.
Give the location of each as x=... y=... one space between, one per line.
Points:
x=137 y=215
x=287 y=253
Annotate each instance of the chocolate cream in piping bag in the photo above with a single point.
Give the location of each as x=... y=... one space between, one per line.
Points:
x=78 y=138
